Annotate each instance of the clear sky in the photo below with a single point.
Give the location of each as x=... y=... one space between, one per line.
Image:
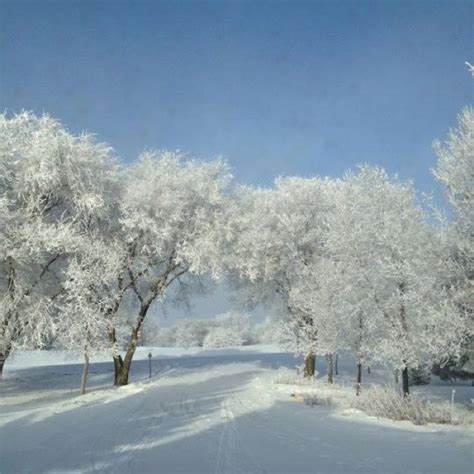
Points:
x=277 y=88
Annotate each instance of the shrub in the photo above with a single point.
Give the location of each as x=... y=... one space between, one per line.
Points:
x=313 y=398
x=455 y=369
x=420 y=375
x=386 y=403
x=230 y=329
x=290 y=378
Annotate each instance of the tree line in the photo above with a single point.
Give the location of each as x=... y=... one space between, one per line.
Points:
x=229 y=329
x=89 y=244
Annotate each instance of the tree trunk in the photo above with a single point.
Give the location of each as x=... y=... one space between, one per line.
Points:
x=118 y=362
x=395 y=372
x=122 y=366
x=335 y=365
x=121 y=375
x=330 y=368
x=11 y=285
x=85 y=372
x=368 y=369
x=359 y=379
x=309 y=364
x=406 y=388
x=3 y=358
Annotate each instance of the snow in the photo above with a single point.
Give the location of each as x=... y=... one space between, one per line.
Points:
x=208 y=411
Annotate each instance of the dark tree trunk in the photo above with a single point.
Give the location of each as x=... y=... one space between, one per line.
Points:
x=396 y=375
x=330 y=368
x=309 y=364
x=359 y=364
x=117 y=367
x=121 y=374
x=11 y=285
x=359 y=378
x=122 y=366
x=335 y=365
x=3 y=358
x=406 y=388
x=85 y=372
x=368 y=369
x=120 y=378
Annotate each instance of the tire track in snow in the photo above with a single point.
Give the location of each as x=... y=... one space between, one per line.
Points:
x=233 y=457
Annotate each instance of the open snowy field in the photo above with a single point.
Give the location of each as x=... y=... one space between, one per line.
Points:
x=210 y=411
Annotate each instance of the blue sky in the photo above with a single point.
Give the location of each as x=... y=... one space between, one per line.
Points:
x=277 y=88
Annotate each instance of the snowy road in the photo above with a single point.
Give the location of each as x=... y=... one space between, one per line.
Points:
x=204 y=415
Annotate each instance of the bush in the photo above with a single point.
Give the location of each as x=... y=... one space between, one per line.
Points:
x=454 y=369
x=290 y=378
x=313 y=398
x=230 y=329
x=420 y=375
x=386 y=403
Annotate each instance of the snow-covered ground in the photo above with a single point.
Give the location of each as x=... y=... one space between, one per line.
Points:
x=209 y=411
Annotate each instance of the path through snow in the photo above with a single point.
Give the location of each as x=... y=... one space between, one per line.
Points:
x=207 y=415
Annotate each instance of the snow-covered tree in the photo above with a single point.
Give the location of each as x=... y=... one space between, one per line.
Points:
x=397 y=268
x=150 y=333
x=319 y=294
x=166 y=337
x=276 y=233
x=268 y=332
x=231 y=329
x=90 y=302
x=380 y=285
x=51 y=188
x=169 y=211
x=192 y=333
x=455 y=171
